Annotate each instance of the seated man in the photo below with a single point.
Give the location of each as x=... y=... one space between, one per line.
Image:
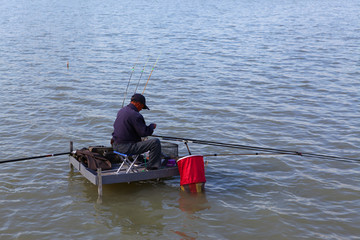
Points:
x=130 y=126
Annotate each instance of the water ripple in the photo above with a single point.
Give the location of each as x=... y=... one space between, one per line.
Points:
x=264 y=73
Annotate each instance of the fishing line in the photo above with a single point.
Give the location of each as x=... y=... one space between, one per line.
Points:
x=151 y=73
x=142 y=71
x=132 y=71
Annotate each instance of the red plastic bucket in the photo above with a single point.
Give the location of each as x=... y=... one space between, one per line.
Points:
x=192 y=173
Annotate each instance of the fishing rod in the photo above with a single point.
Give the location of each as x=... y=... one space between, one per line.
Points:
x=238 y=146
x=132 y=71
x=28 y=158
x=235 y=154
x=151 y=73
x=240 y=154
x=142 y=71
x=260 y=149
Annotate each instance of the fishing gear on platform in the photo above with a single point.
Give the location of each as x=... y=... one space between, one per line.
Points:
x=260 y=149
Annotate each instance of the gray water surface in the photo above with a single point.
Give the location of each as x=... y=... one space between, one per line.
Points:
x=279 y=74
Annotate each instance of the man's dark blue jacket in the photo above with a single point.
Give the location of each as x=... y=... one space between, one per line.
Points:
x=130 y=126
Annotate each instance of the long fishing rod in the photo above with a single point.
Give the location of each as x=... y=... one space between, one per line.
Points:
x=238 y=146
x=240 y=154
x=142 y=71
x=260 y=149
x=28 y=158
x=132 y=71
x=151 y=73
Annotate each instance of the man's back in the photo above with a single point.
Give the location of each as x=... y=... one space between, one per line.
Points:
x=130 y=126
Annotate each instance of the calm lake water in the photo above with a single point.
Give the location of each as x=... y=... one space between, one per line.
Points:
x=279 y=74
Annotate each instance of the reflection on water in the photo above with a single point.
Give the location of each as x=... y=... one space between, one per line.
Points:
x=193 y=202
x=131 y=209
x=141 y=208
x=185 y=236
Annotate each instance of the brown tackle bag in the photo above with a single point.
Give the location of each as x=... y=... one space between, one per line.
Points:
x=92 y=160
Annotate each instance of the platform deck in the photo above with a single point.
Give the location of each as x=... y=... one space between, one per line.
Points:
x=110 y=176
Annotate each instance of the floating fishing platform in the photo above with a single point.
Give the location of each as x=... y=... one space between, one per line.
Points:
x=111 y=176
x=114 y=175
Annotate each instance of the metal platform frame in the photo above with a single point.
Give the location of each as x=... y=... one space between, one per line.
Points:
x=110 y=176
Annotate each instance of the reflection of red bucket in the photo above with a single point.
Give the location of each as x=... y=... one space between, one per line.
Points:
x=193 y=187
x=192 y=173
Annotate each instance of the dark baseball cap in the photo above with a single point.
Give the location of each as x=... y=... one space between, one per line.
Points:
x=137 y=97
